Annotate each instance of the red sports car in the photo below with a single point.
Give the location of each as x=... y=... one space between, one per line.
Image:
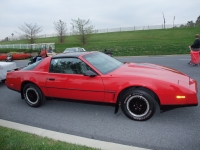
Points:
x=97 y=77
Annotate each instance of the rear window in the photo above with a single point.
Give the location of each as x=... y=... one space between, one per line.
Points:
x=31 y=66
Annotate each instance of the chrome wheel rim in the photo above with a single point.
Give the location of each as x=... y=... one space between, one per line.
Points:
x=137 y=106
x=32 y=95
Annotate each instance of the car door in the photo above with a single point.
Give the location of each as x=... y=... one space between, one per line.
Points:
x=66 y=80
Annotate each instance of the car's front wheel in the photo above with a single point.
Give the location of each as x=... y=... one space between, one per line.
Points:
x=33 y=95
x=138 y=104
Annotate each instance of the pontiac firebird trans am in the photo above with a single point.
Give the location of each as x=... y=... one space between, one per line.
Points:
x=96 y=77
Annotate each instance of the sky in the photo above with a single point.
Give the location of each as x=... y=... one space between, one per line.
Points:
x=102 y=14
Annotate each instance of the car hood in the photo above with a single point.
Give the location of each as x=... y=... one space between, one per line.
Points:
x=148 y=70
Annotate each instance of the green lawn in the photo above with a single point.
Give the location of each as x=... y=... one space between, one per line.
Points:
x=11 y=139
x=143 y=42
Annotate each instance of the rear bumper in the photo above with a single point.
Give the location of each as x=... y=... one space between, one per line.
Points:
x=12 y=88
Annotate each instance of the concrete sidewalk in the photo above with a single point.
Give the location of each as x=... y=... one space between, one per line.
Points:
x=67 y=137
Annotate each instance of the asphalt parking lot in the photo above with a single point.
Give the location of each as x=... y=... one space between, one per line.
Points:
x=176 y=129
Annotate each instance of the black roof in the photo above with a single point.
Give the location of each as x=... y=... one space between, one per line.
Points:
x=70 y=54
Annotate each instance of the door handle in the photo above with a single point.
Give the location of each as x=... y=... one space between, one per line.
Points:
x=52 y=79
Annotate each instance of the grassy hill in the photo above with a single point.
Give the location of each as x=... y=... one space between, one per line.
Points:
x=132 y=43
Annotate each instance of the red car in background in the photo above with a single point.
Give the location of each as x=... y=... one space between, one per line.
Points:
x=96 y=77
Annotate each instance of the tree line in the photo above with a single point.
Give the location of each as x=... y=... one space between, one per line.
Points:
x=81 y=28
x=191 y=23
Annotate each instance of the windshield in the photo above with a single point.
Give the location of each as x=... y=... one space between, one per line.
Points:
x=103 y=62
x=70 y=50
x=81 y=49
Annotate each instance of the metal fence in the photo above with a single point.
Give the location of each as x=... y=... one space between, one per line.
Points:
x=29 y=46
x=17 y=46
x=96 y=31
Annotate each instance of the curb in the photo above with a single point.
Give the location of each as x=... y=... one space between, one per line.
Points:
x=67 y=137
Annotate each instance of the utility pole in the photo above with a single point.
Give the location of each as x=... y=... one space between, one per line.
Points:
x=173 y=21
x=164 y=20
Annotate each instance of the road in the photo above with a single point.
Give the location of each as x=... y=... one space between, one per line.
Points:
x=176 y=129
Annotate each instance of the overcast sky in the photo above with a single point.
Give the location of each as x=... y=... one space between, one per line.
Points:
x=102 y=13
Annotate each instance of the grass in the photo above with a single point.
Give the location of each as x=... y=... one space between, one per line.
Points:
x=143 y=42
x=12 y=139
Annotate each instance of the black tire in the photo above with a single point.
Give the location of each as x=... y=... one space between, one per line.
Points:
x=138 y=105
x=33 y=95
x=3 y=80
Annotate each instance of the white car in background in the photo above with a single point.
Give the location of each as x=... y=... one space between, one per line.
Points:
x=74 y=49
x=4 y=67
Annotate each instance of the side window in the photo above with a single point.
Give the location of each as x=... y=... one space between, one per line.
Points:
x=68 y=66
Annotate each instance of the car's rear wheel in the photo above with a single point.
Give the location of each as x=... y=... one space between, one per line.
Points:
x=3 y=80
x=33 y=95
x=138 y=104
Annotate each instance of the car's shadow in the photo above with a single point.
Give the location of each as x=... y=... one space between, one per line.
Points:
x=2 y=84
x=80 y=101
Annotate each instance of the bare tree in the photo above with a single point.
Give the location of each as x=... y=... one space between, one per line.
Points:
x=61 y=29
x=82 y=29
x=190 y=24
x=30 y=32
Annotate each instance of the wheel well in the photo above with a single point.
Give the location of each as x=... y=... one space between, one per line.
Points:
x=3 y=80
x=153 y=94
x=23 y=84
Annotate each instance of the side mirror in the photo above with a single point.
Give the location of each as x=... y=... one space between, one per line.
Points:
x=89 y=73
